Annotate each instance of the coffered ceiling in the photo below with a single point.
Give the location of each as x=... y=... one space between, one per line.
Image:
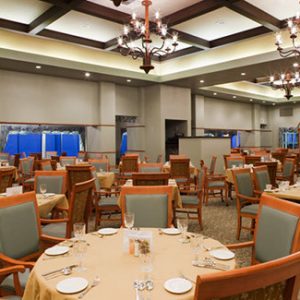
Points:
x=225 y=44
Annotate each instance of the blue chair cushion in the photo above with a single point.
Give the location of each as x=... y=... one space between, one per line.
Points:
x=250 y=209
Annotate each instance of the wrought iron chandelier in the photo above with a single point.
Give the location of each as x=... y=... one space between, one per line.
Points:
x=139 y=29
x=286 y=81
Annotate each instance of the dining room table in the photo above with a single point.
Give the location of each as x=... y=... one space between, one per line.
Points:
x=194 y=171
x=5 y=167
x=106 y=179
x=291 y=193
x=111 y=271
x=49 y=201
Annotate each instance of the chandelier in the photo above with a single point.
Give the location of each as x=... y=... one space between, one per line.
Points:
x=139 y=29
x=286 y=81
x=293 y=25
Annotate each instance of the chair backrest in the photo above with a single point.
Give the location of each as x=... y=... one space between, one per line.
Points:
x=150 y=178
x=50 y=153
x=36 y=156
x=82 y=155
x=20 y=235
x=97 y=182
x=277 y=230
x=150 y=167
x=278 y=279
x=261 y=177
x=76 y=174
x=180 y=168
x=235 y=161
x=67 y=160
x=100 y=164
x=243 y=182
x=56 y=181
x=129 y=164
x=6 y=179
x=26 y=165
x=288 y=167
x=251 y=159
x=212 y=166
x=278 y=156
x=14 y=160
x=272 y=168
x=45 y=165
x=80 y=204
x=4 y=156
x=152 y=205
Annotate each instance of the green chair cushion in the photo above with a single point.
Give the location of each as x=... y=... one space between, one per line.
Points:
x=150 y=210
x=150 y=169
x=216 y=184
x=8 y=282
x=19 y=234
x=99 y=166
x=11 y=298
x=190 y=199
x=245 y=184
x=54 y=184
x=275 y=234
x=105 y=201
x=55 y=229
x=250 y=209
x=263 y=179
x=287 y=169
x=181 y=180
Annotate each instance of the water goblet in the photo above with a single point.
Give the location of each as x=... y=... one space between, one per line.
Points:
x=196 y=243
x=43 y=189
x=182 y=225
x=129 y=220
x=80 y=250
x=79 y=231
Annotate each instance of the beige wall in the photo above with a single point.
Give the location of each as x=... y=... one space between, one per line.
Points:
x=127 y=101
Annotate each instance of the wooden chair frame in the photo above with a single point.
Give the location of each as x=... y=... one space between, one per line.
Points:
x=73 y=158
x=4 y=173
x=150 y=179
x=147 y=190
x=185 y=174
x=212 y=166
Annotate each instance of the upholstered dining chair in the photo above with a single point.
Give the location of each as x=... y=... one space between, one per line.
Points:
x=6 y=179
x=49 y=154
x=26 y=173
x=128 y=165
x=145 y=179
x=246 y=198
x=45 y=165
x=192 y=199
x=272 y=169
x=288 y=170
x=212 y=166
x=235 y=161
x=100 y=164
x=152 y=205
x=277 y=230
x=56 y=181
x=79 y=209
x=180 y=171
x=67 y=160
x=261 y=178
x=21 y=239
x=276 y=279
x=252 y=159
x=150 y=167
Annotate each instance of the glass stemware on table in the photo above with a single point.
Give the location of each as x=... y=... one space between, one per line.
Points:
x=129 y=220
x=43 y=189
x=182 y=225
x=79 y=231
x=80 y=250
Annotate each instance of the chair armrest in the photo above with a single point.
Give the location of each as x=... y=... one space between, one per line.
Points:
x=216 y=177
x=51 y=239
x=12 y=269
x=48 y=221
x=12 y=261
x=240 y=245
x=249 y=199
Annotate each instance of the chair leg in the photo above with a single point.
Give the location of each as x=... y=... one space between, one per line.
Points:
x=226 y=197
x=238 y=233
x=200 y=218
x=206 y=197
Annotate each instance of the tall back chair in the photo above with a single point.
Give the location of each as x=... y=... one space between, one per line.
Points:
x=288 y=170
x=67 y=160
x=279 y=156
x=6 y=179
x=14 y=160
x=77 y=174
x=150 y=167
x=277 y=279
x=37 y=155
x=56 y=181
x=26 y=167
x=212 y=166
x=251 y=159
x=246 y=200
x=272 y=169
x=261 y=177
x=44 y=165
x=180 y=171
x=79 y=209
x=150 y=178
x=235 y=161
x=100 y=164
x=129 y=164
x=152 y=205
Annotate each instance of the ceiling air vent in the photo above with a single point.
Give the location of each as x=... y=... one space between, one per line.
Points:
x=286 y=112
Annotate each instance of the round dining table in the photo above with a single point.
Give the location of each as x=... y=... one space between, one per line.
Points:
x=107 y=258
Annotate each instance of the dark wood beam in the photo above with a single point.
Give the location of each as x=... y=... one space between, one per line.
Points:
x=180 y=53
x=13 y=25
x=193 y=11
x=192 y=40
x=71 y=38
x=252 y=12
x=51 y=15
x=239 y=36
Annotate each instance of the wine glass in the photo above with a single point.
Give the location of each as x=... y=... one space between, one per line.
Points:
x=79 y=231
x=182 y=225
x=196 y=243
x=80 y=249
x=43 y=189
x=129 y=220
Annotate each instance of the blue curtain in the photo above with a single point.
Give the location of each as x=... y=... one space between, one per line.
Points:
x=12 y=143
x=53 y=142
x=123 y=146
x=70 y=143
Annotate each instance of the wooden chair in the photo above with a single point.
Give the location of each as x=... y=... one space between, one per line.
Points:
x=152 y=205
x=180 y=171
x=128 y=165
x=6 y=179
x=79 y=210
x=237 y=161
x=45 y=165
x=67 y=160
x=279 y=156
x=77 y=174
x=56 y=181
x=37 y=155
x=246 y=199
x=251 y=159
x=21 y=238
x=272 y=169
x=277 y=279
x=14 y=272
x=212 y=166
x=82 y=155
x=49 y=154
x=146 y=179
x=150 y=167
x=100 y=164
x=288 y=171
x=192 y=199
x=26 y=173
x=261 y=178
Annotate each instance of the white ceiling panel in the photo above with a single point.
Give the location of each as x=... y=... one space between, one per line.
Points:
x=23 y=11
x=85 y=26
x=280 y=9
x=165 y=7
x=217 y=24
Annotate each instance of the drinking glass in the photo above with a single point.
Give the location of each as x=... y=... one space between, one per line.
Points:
x=268 y=187
x=196 y=243
x=129 y=220
x=79 y=231
x=43 y=189
x=80 y=249
x=182 y=225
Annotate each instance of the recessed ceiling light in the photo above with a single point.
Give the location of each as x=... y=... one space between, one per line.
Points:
x=201 y=81
x=273 y=104
x=295 y=65
x=128 y=80
x=87 y=74
x=264 y=101
x=251 y=100
x=234 y=97
x=243 y=73
x=38 y=67
x=215 y=94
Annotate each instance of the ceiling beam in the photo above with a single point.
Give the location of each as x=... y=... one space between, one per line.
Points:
x=51 y=15
x=192 y=40
x=255 y=14
x=193 y=11
x=180 y=53
x=13 y=25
